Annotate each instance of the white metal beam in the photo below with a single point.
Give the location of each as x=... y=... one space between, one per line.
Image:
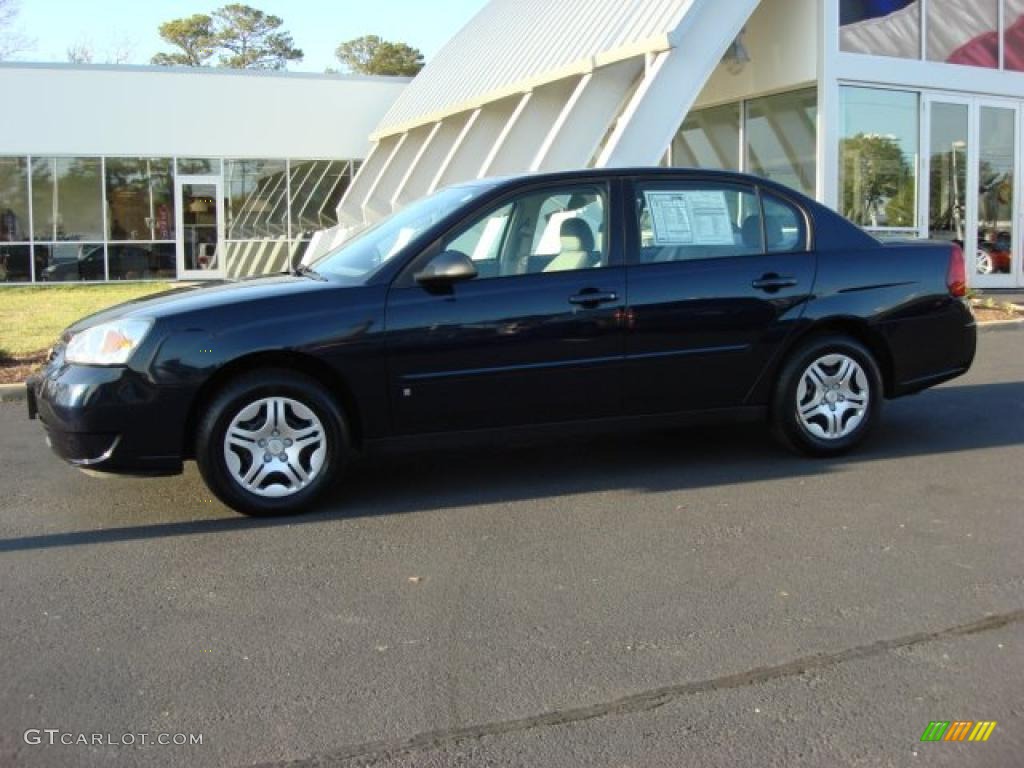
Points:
x=673 y=82
x=424 y=171
x=577 y=132
x=464 y=130
x=501 y=142
x=477 y=142
x=350 y=209
x=379 y=201
x=425 y=145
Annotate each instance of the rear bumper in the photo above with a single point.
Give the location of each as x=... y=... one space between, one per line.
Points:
x=108 y=419
x=933 y=349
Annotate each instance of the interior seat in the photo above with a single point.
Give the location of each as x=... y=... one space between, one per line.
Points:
x=577 y=247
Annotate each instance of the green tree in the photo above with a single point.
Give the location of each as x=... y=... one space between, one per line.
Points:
x=877 y=180
x=245 y=37
x=194 y=38
x=372 y=55
x=253 y=39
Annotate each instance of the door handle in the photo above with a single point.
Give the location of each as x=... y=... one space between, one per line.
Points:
x=772 y=282
x=593 y=298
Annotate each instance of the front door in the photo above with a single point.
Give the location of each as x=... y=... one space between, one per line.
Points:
x=997 y=263
x=974 y=194
x=200 y=226
x=536 y=337
x=719 y=274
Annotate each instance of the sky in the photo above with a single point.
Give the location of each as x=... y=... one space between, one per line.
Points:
x=317 y=26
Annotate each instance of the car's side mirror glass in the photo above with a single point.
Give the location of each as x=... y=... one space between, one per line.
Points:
x=446 y=268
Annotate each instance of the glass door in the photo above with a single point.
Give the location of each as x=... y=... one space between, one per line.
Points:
x=948 y=209
x=200 y=219
x=997 y=262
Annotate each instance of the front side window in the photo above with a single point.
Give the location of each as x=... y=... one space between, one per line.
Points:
x=690 y=221
x=555 y=230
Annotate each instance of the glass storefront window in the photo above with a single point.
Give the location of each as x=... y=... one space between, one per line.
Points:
x=257 y=202
x=964 y=32
x=67 y=198
x=878 y=157
x=709 y=138
x=140 y=199
x=782 y=136
x=142 y=261
x=881 y=27
x=86 y=219
x=198 y=166
x=14 y=263
x=947 y=199
x=316 y=189
x=1013 y=35
x=70 y=262
x=14 y=222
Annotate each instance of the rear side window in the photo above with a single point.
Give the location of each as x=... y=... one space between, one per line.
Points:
x=784 y=225
x=688 y=221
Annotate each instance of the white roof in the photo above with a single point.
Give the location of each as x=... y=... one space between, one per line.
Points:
x=513 y=45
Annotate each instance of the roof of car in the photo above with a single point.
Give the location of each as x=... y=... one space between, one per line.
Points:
x=591 y=173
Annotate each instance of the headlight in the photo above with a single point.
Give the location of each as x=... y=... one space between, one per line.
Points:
x=107 y=343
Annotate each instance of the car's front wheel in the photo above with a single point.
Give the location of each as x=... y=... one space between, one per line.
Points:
x=271 y=442
x=828 y=397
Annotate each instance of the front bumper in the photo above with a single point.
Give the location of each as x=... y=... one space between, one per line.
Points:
x=109 y=419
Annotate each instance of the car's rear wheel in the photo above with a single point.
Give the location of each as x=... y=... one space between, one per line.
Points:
x=828 y=397
x=271 y=443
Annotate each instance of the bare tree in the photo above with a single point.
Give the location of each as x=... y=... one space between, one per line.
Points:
x=81 y=52
x=12 y=41
x=120 y=51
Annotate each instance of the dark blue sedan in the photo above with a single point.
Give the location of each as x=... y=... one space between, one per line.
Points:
x=616 y=298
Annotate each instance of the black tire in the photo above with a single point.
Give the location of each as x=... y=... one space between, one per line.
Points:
x=793 y=431
x=246 y=391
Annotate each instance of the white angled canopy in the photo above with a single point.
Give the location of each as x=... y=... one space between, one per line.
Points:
x=545 y=85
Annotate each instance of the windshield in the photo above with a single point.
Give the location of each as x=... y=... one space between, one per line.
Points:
x=368 y=250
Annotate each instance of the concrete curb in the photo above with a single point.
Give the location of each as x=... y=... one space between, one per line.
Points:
x=15 y=393
x=1001 y=325
x=12 y=393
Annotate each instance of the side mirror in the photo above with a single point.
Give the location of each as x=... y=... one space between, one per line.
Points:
x=446 y=268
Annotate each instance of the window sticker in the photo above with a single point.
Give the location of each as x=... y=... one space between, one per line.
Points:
x=690 y=217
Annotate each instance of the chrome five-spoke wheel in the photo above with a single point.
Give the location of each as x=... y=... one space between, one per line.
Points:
x=833 y=396
x=275 y=447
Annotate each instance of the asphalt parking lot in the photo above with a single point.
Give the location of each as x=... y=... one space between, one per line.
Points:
x=691 y=597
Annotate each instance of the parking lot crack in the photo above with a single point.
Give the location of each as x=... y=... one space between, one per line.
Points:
x=645 y=701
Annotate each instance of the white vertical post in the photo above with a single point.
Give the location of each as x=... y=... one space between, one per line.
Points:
x=31 y=239
x=828 y=105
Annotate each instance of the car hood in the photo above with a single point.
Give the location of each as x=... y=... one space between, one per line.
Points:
x=196 y=298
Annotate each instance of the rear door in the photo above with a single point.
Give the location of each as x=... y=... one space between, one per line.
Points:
x=719 y=271
x=536 y=337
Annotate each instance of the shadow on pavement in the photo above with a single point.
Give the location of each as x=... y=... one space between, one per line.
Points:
x=945 y=420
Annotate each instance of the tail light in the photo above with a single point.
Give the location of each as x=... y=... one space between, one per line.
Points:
x=956 y=275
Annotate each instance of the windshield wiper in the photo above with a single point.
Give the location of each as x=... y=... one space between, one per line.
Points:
x=304 y=270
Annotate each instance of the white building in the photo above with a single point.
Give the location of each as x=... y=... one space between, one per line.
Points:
x=905 y=115
x=128 y=173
